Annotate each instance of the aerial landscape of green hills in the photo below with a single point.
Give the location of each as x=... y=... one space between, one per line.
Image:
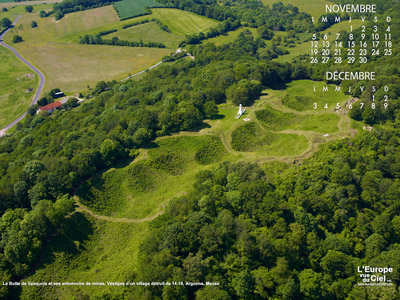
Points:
x=145 y=182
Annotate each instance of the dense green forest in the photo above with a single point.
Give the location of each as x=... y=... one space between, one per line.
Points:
x=284 y=233
x=263 y=232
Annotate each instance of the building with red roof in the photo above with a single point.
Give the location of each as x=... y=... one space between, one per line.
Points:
x=51 y=107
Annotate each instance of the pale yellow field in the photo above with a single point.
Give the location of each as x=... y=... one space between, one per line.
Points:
x=70 y=66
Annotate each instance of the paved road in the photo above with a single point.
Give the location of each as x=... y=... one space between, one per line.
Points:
x=33 y=68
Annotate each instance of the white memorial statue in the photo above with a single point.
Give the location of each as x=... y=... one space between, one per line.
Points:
x=240 y=112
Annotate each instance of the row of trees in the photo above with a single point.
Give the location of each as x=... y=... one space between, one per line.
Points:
x=98 y=40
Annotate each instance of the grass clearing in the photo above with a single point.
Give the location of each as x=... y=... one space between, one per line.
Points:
x=250 y=137
x=148 y=32
x=138 y=190
x=315 y=8
x=275 y=120
x=300 y=95
x=15 y=80
x=182 y=22
x=85 y=250
x=132 y=8
x=71 y=66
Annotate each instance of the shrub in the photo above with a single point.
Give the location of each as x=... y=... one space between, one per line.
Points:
x=17 y=39
x=29 y=8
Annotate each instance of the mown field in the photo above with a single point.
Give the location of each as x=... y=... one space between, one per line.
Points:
x=127 y=9
x=315 y=8
x=147 y=32
x=71 y=66
x=182 y=22
x=15 y=80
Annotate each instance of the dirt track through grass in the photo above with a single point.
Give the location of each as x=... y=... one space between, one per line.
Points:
x=81 y=208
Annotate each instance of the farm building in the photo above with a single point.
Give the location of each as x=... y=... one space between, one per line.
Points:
x=58 y=95
x=51 y=107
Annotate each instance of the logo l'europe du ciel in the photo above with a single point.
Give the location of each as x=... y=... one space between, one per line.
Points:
x=374 y=275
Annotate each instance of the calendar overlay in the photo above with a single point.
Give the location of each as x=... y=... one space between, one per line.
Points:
x=354 y=48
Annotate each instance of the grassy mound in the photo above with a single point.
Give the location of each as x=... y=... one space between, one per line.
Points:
x=252 y=138
x=300 y=95
x=138 y=190
x=276 y=120
x=127 y=9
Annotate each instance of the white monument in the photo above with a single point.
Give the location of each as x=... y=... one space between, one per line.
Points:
x=240 y=112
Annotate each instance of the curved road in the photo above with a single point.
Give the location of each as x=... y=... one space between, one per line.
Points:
x=33 y=68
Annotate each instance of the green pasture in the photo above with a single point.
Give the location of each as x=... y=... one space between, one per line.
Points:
x=131 y=8
x=15 y=80
x=148 y=32
x=182 y=22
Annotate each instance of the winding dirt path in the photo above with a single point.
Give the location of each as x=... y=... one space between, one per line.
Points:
x=79 y=207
